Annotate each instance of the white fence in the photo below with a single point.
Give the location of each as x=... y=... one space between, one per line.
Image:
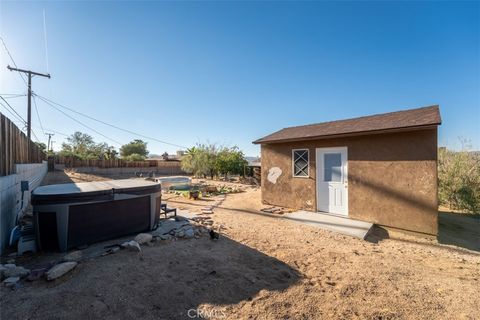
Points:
x=11 y=195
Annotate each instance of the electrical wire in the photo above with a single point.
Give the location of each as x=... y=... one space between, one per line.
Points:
x=21 y=120
x=12 y=95
x=46 y=129
x=34 y=135
x=108 y=124
x=38 y=115
x=79 y=122
x=13 y=114
x=8 y=104
x=13 y=61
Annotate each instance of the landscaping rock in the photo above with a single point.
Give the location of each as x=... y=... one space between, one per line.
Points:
x=143 y=238
x=167 y=226
x=37 y=272
x=73 y=256
x=165 y=237
x=132 y=245
x=180 y=234
x=2 y=269
x=60 y=269
x=16 y=272
x=11 y=281
x=189 y=233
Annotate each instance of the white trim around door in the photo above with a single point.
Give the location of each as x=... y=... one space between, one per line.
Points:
x=332 y=180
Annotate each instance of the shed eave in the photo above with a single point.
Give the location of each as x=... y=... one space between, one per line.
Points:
x=347 y=134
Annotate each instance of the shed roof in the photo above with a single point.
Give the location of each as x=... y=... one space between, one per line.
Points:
x=393 y=121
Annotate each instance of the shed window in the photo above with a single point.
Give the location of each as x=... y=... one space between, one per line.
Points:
x=332 y=167
x=300 y=163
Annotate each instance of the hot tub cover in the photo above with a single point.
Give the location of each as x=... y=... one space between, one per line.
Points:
x=85 y=191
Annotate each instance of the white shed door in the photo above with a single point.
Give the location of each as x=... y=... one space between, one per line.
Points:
x=332 y=179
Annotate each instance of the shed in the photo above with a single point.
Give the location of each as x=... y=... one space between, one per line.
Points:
x=380 y=168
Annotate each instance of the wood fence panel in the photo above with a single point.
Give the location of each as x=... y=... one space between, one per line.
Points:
x=15 y=147
x=71 y=162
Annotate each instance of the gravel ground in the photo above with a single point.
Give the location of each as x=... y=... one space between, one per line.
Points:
x=262 y=267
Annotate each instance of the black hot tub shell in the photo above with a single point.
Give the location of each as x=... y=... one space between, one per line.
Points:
x=75 y=214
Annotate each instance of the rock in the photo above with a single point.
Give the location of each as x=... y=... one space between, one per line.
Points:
x=73 y=256
x=114 y=249
x=60 y=269
x=132 y=245
x=2 y=269
x=9 y=265
x=169 y=226
x=189 y=233
x=16 y=272
x=165 y=237
x=143 y=238
x=180 y=234
x=11 y=281
x=38 y=271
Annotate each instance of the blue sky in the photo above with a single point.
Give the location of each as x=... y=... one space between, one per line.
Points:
x=232 y=72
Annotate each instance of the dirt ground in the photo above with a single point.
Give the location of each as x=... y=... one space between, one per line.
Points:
x=262 y=267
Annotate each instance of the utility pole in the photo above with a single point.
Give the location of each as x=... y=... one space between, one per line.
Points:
x=49 y=138
x=29 y=110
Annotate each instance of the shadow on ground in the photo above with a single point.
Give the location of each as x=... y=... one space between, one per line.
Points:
x=57 y=176
x=461 y=230
x=163 y=282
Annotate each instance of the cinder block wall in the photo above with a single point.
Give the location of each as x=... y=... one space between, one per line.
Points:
x=11 y=196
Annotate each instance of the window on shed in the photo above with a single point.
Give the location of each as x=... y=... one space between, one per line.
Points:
x=300 y=163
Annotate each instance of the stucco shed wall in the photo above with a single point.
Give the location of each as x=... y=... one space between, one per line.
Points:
x=392 y=178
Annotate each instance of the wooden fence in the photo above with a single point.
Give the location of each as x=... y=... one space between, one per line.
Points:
x=15 y=147
x=71 y=162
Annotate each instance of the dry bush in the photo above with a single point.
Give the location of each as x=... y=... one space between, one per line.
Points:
x=459 y=180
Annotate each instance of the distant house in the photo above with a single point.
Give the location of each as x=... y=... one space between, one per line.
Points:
x=380 y=168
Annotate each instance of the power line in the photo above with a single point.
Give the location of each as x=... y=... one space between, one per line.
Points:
x=8 y=104
x=106 y=123
x=35 y=136
x=14 y=115
x=13 y=61
x=78 y=121
x=46 y=129
x=38 y=115
x=12 y=95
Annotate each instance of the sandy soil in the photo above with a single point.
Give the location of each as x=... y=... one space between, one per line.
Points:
x=262 y=267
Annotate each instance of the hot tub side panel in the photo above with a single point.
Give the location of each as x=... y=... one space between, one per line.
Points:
x=93 y=222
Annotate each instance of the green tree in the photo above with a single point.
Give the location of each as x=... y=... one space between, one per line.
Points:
x=42 y=146
x=82 y=146
x=230 y=161
x=210 y=160
x=137 y=147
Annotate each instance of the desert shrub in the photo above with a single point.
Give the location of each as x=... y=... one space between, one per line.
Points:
x=212 y=160
x=459 y=180
x=134 y=157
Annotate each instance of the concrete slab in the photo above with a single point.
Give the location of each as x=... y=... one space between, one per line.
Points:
x=346 y=226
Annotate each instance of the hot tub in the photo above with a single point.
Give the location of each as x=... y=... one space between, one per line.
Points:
x=76 y=214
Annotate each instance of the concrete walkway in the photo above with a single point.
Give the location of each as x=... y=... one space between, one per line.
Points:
x=350 y=227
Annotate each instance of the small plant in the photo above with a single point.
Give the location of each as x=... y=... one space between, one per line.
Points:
x=459 y=180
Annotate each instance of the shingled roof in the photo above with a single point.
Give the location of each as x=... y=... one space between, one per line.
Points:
x=392 y=121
